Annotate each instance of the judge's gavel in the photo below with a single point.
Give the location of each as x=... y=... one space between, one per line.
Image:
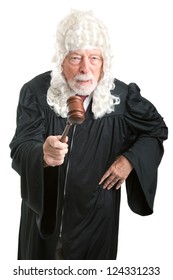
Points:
x=76 y=114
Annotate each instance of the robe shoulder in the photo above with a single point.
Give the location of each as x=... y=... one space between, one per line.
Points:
x=140 y=114
x=41 y=81
x=37 y=87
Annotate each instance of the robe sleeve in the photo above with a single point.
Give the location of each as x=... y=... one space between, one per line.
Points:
x=27 y=158
x=146 y=152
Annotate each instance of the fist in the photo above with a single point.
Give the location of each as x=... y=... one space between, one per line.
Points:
x=54 y=151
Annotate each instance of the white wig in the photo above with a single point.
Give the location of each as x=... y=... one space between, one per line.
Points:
x=77 y=31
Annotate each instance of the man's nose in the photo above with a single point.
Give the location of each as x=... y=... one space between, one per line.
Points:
x=84 y=65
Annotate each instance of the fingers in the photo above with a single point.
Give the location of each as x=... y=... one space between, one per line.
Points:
x=119 y=183
x=55 y=143
x=116 y=174
x=54 y=151
x=106 y=175
x=110 y=180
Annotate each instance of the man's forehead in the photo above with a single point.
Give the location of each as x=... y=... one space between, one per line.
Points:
x=87 y=51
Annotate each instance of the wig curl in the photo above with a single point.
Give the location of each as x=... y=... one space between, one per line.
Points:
x=78 y=31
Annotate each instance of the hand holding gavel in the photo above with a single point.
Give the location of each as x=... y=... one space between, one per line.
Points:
x=55 y=147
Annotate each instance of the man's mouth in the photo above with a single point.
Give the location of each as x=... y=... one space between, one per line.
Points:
x=84 y=82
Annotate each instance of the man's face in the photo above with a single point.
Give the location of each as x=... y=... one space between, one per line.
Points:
x=82 y=70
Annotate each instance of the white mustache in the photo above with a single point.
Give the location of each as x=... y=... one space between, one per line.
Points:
x=84 y=77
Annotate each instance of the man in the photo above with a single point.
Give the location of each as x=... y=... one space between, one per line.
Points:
x=71 y=191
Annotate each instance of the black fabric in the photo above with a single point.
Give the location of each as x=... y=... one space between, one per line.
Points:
x=90 y=214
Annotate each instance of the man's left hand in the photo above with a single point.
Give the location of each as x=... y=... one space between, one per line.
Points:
x=117 y=173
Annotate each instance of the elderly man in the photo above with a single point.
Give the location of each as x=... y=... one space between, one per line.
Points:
x=71 y=191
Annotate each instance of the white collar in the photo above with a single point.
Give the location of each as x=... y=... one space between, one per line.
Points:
x=87 y=101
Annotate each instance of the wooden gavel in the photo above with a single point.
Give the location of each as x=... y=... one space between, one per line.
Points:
x=76 y=114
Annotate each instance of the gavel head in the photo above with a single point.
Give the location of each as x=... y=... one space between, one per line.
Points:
x=76 y=112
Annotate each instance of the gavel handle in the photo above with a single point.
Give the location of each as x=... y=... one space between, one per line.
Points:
x=65 y=132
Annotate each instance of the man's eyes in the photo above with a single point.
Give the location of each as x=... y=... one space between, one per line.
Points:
x=76 y=59
x=94 y=58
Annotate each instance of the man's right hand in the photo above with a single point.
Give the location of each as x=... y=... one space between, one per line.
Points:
x=54 y=151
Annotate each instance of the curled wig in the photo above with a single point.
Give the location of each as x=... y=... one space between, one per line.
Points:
x=78 y=31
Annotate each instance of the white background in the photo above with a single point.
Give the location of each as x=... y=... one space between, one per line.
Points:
x=141 y=34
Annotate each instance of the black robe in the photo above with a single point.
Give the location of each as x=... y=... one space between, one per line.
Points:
x=89 y=214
